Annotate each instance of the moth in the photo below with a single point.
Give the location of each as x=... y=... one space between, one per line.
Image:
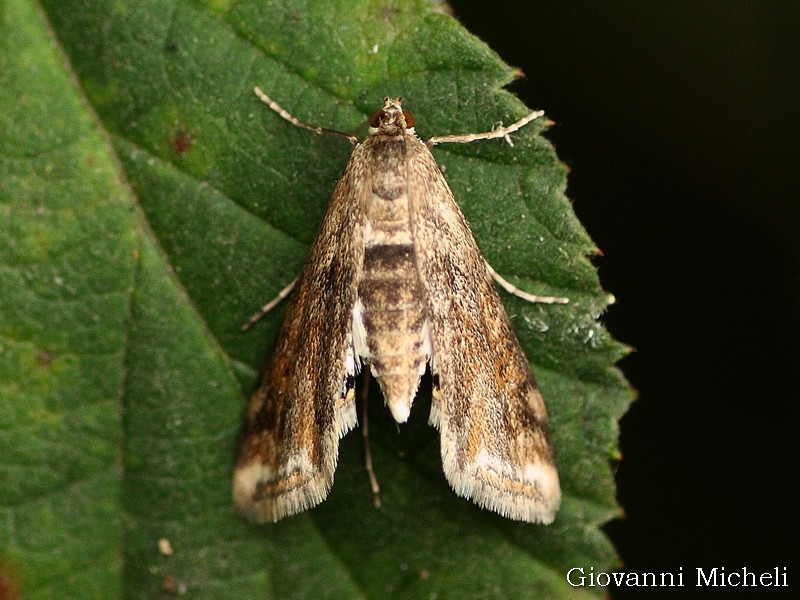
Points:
x=395 y=282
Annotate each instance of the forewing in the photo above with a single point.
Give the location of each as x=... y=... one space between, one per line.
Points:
x=495 y=438
x=304 y=403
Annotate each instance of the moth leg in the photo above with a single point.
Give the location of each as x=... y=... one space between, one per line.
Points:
x=514 y=290
x=373 y=480
x=295 y=121
x=506 y=137
x=500 y=132
x=269 y=305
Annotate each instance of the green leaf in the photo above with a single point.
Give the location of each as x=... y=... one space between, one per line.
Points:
x=150 y=203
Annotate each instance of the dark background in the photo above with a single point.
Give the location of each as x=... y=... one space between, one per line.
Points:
x=680 y=124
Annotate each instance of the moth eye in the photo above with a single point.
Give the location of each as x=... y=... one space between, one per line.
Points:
x=375 y=118
x=410 y=120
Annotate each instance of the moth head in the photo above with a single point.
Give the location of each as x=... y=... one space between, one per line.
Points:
x=391 y=119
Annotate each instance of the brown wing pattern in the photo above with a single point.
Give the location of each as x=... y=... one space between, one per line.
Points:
x=304 y=403
x=494 y=432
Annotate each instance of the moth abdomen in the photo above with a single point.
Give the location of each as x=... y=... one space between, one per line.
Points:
x=393 y=317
